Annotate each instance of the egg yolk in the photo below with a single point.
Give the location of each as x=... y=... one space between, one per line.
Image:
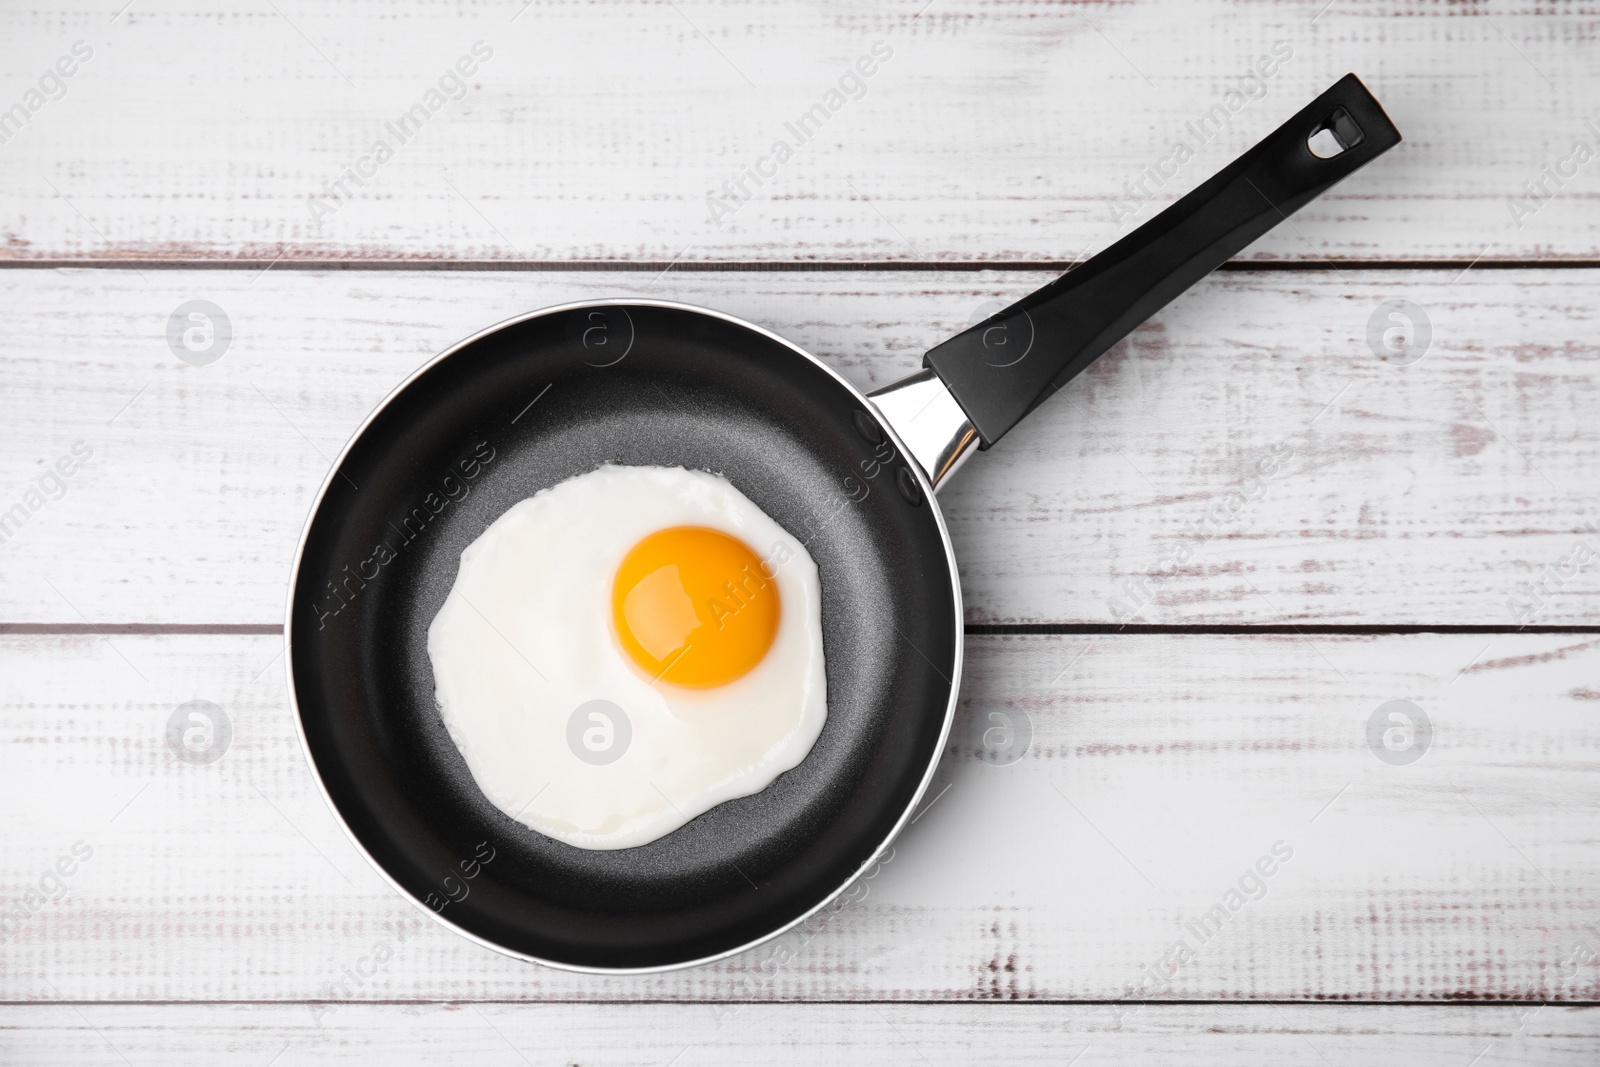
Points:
x=694 y=607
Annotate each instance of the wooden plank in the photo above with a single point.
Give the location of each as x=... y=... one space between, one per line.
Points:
x=1443 y=492
x=998 y=131
x=1237 y=1035
x=1161 y=770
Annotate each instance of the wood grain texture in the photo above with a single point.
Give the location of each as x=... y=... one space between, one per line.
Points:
x=1432 y=494
x=1161 y=770
x=597 y=130
x=901 y=1034
x=1047 y=910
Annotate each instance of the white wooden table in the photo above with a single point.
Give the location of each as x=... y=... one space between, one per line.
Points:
x=1430 y=537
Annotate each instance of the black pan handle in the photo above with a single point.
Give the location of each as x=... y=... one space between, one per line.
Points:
x=1004 y=367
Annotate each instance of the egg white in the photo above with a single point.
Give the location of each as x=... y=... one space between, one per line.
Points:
x=525 y=638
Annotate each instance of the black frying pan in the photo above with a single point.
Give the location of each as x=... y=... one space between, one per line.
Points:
x=559 y=392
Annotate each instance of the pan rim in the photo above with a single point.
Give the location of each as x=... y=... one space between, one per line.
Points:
x=900 y=823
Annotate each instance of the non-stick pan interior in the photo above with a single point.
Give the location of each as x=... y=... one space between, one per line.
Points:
x=521 y=409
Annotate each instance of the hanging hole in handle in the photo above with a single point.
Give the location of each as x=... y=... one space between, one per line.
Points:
x=1337 y=134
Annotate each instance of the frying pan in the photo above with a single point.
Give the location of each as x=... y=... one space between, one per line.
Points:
x=558 y=392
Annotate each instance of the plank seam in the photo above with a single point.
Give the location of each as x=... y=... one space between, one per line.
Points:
x=63 y=629
x=113 y=629
x=1356 y=630
x=1326 y=1002
x=757 y=267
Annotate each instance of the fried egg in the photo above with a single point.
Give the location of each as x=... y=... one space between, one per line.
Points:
x=628 y=649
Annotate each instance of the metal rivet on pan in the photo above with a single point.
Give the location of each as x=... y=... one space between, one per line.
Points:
x=867 y=428
x=908 y=485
